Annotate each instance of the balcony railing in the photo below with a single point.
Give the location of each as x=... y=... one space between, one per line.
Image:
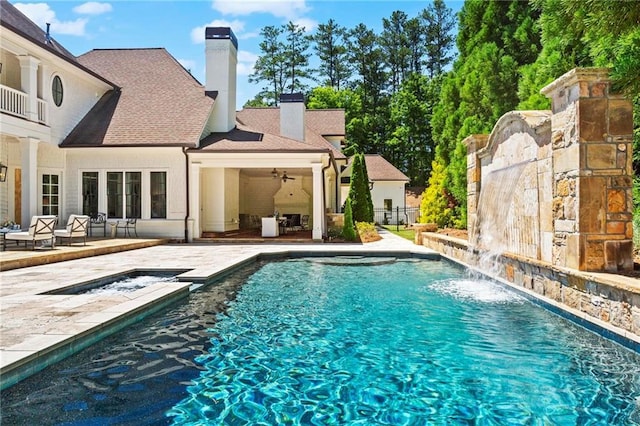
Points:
x=42 y=111
x=13 y=101
x=16 y=103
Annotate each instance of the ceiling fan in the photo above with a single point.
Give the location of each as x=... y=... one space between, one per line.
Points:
x=285 y=177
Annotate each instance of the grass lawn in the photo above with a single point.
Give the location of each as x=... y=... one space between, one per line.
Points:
x=404 y=233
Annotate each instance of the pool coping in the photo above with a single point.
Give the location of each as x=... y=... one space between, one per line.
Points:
x=32 y=356
x=39 y=354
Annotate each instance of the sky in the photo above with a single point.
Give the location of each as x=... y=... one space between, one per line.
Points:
x=179 y=25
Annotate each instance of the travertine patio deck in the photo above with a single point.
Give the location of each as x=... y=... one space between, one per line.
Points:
x=38 y=329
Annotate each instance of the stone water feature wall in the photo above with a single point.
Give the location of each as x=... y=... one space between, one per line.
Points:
x=551 y=192
x=555 y=186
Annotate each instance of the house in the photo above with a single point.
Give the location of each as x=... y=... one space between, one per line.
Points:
x=387 y=185
x=129 y=132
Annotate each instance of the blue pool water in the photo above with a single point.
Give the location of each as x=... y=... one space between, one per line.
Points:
x=301 y=342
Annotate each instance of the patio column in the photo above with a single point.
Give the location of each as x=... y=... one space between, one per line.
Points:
x=29 y=84
x=194 y=201
x=318 y=202
x=29 y=166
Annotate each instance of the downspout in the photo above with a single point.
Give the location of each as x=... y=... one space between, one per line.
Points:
x=186 y=218
x=332 y=161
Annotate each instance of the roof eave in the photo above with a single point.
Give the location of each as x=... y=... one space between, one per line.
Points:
x=58 y=54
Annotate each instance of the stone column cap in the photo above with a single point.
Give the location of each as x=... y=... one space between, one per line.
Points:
x=573 y=77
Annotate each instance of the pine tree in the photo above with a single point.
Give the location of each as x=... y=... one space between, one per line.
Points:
x=296 y=58
x=439 y=22
x=395 y=47
x=270 y=66
x=330 y=47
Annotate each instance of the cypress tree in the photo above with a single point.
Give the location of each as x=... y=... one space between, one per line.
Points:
x=348 y=230
x=359 y=193
x=366 y=190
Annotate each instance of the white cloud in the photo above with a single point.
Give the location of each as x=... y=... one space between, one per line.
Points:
x=246 y=56
x=246 y=61
x=41 y=13
x=197 y=34
x=244 y=69
x=246 y=36
x=93 y=8
x=289 y=9
x=308 y=24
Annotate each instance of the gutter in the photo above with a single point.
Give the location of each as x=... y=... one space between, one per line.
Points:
x=188 y=212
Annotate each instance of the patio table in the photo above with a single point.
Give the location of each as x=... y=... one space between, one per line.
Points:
x=3 y=231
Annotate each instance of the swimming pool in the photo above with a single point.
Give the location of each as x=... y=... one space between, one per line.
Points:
x=304 y=342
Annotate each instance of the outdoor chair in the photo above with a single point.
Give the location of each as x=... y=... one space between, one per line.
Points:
x=304 y=222
x=127 y=225
x=40 y=229
x=76 y=227
x=98 y=220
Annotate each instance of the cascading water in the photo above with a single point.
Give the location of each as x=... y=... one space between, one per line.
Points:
x=508 y=217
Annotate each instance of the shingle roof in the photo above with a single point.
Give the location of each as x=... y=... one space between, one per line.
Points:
x=14 y=20
x=326 y=122
x=379 y=169
x=159 y=102
x=267 y=121
x=246 y=139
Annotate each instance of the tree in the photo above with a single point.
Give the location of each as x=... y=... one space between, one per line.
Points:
x=327 y=97
x=369 y=129
x=331 y=48
x=395 y=48
x=439 y=23
x=435 y=206
x=495 y=39
x=296 y=57
x=348 y=227
x=411 y=142
x=359 y=192
x=270 y=66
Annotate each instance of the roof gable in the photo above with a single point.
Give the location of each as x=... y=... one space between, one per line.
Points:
x=379 y=169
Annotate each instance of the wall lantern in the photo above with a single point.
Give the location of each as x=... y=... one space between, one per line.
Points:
x=3 y=172
x=370 y=185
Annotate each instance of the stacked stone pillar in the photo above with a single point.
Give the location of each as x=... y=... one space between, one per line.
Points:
x=474 y=145
x=591 y=136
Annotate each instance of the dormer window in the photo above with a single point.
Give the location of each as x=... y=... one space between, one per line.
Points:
x=57 y=90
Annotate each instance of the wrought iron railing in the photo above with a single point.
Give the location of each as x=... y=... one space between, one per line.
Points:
x=396 y=216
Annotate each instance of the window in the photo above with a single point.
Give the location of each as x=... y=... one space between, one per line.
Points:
x=388 y=204
x=90 y=193
x=57 y=91
x=114 y=194
x=158 y=187
x=133 y=188
x=123 y=194
x=50 y=194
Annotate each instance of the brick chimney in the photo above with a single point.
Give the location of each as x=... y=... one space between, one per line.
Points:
x=221 y=53
x=292 y=111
